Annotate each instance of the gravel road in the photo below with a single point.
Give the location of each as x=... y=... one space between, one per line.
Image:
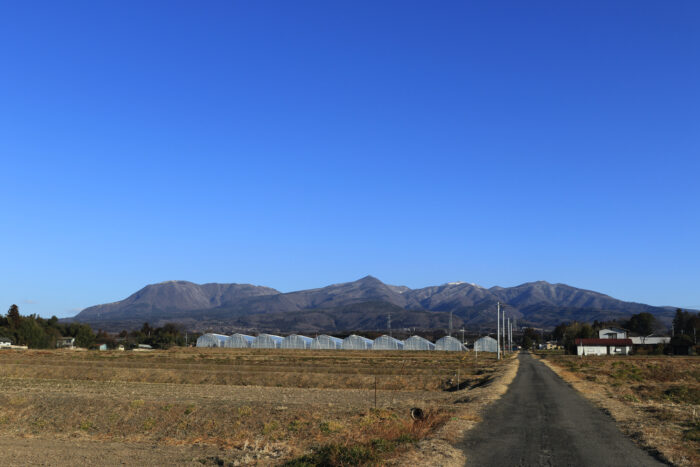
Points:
x=541 y=421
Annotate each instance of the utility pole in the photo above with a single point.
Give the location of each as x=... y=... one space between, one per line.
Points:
x=507 y=339
x=498 y=330
x=450 y=324
x=510 y=335
x=462 y=335
x=389 y=324
x=503 y=331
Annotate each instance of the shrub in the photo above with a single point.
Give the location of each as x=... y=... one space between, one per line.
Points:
x=683 y=393
x=336 y=455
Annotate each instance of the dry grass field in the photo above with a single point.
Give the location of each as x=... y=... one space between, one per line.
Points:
x=655 y=399
x=227 y=406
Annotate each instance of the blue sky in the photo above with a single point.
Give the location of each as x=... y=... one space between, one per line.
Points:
x=298 y=144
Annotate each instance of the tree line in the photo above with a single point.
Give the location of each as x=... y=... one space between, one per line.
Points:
x=39 y=333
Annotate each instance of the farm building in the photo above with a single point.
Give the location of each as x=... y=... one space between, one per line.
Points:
x=449 y=343
x=295 y=341
x=353 y=342
x=486 y=344
x=418 y=343
x=267 y=341
x=211 y=340
x=612 y=333
x=324 y=342
x=387 y=343
x=650 y=340
x=239 y=341
x=603 y=346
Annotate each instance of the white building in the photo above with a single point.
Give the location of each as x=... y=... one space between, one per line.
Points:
x=296 y=341
x=486 y=344
x=387 y=343
x=210 y=340
x=267 y=341
x=603 y=346
x=354 y=342
x=239 y=341
x=449 y=343
x=418 y=343
x=612 y=333
x=324 y=342
x=650 y=340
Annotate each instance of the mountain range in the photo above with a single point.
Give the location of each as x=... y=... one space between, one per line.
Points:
x=364 y=304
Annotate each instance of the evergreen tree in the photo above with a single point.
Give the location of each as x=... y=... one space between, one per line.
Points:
x=14 y=317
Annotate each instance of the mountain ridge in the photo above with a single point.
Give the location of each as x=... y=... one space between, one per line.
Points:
x=238 y=306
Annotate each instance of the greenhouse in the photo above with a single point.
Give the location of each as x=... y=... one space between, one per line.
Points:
x=418 y=343
x=295 y=341
x=324 y=342
x=449 y=343
x=211 y=340
x=239 y=341
x=353 y=342
x=387 y=343
x=267 y=341
x=486 y=344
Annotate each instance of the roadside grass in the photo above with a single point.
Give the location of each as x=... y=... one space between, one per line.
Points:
x=662 y=394
x=190 y=397
x=388 y=441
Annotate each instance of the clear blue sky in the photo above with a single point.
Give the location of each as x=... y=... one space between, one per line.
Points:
x=296 y=144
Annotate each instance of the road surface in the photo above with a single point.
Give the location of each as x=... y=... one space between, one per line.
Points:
x=541 y=421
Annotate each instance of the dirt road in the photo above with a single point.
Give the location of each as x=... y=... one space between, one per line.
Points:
x=541 y=421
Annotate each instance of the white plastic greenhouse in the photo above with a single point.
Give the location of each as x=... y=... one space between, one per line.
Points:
x=353 y=342
x=387 y=343
x=449 y=343
x=324 y=342
x=295 y=341
x=486 y=344
x=211 y=340
x=418 y=343
x=239 y=341
x=267 y=341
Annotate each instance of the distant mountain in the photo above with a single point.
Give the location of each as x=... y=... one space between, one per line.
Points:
x=174 y=297
x=360 y=305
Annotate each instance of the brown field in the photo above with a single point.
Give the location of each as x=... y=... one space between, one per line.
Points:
x=227 y=406
x=655 y=399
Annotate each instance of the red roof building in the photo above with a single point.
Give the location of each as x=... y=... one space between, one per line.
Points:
x=603 y=346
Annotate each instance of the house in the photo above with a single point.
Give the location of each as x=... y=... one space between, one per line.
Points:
x=5 y=342
x=65 y=342
x=608 y=346
x=552 y=345
x=612 y=333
